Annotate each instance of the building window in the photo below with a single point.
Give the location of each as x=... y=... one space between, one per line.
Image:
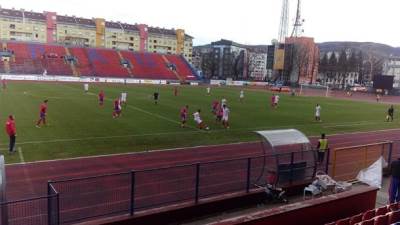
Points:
x=155 y=41
x=65 y=31
x=12 y=26
x=131 y=38
x=114 y=43
x=36 y=35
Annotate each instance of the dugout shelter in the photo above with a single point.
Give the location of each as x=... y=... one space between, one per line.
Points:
x=288 y=158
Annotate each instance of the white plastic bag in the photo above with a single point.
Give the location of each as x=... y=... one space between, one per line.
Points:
x=373 y=174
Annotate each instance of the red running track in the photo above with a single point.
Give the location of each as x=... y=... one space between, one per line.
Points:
x=30 y=180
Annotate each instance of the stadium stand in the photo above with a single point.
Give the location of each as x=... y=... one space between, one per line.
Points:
x=106 y=63
x=83 y=65
x=21 y=61
x=54 y=60
x=148 y=65
x=33 y=58
x=4 y=53
x=183 y=70
x=385 y=215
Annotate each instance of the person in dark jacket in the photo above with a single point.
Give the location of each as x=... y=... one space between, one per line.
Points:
x=390 y=114
x=394 y=188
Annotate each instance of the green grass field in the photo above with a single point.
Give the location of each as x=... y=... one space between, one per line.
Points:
x=79 y=127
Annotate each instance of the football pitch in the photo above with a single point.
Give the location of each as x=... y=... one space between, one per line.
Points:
x=78 y=126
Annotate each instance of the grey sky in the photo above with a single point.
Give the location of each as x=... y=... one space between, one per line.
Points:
x=244 y=21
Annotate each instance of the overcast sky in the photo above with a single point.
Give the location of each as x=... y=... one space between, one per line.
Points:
x=244 y=21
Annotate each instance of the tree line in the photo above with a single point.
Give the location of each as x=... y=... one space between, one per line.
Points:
x=366 y=64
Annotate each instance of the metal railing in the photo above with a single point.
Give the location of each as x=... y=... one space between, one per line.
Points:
x=32 y=211
x=76 y=200
x=139 y=190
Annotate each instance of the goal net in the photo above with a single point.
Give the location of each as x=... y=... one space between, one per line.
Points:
x=315 y=90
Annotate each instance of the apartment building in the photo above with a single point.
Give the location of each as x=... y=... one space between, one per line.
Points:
x=48 y=27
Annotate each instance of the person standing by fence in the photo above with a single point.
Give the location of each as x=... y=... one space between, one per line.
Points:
x=322 y=148
x=394 y=187
x=12 y=132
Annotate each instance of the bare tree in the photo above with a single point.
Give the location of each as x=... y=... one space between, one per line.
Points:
x=209 y=65
x=301 y=59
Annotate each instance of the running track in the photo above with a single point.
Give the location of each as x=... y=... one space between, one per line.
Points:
x=30 y=180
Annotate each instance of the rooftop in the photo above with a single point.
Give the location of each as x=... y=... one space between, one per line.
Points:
x=83 y=21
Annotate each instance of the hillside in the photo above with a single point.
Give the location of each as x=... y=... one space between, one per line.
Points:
x=379 y=49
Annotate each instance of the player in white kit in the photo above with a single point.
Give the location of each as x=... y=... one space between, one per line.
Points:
x=241 y=96
x=225 y=116
x=276 y=101
x=199 y=122
x=86 y=88
x=223 y=102
x=124 y=95
x=318 y=113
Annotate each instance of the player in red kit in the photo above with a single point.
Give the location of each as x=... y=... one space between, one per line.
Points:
x=219 y=114
x=43 y=113
x=12 y=132
x=184 y=112
x=117 y=108
x=101 y=98
x=214 y=107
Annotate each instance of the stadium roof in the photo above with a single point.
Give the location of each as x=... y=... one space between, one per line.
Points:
x=278 y=138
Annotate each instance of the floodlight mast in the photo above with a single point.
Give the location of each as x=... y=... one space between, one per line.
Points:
x=284 y=22
x=298 y=24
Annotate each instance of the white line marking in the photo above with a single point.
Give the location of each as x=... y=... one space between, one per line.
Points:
x=25 y=170
x=182 y=148
x=21 y=155
x=135 y=153
x=148 y=113
x=100 y=137
x=361 y=123
x=183 y=132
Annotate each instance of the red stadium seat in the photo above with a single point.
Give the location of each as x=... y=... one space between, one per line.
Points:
x=333 y=223
x=356 y=219
x=367 y=222
x=381 y=211
x=182 y=67
x=394 y=216
x=345 y=221
x=368 y=214
x=34 y=58
x=393 y=207
x=148 y=66
x=382 y=220
x=106 y=63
